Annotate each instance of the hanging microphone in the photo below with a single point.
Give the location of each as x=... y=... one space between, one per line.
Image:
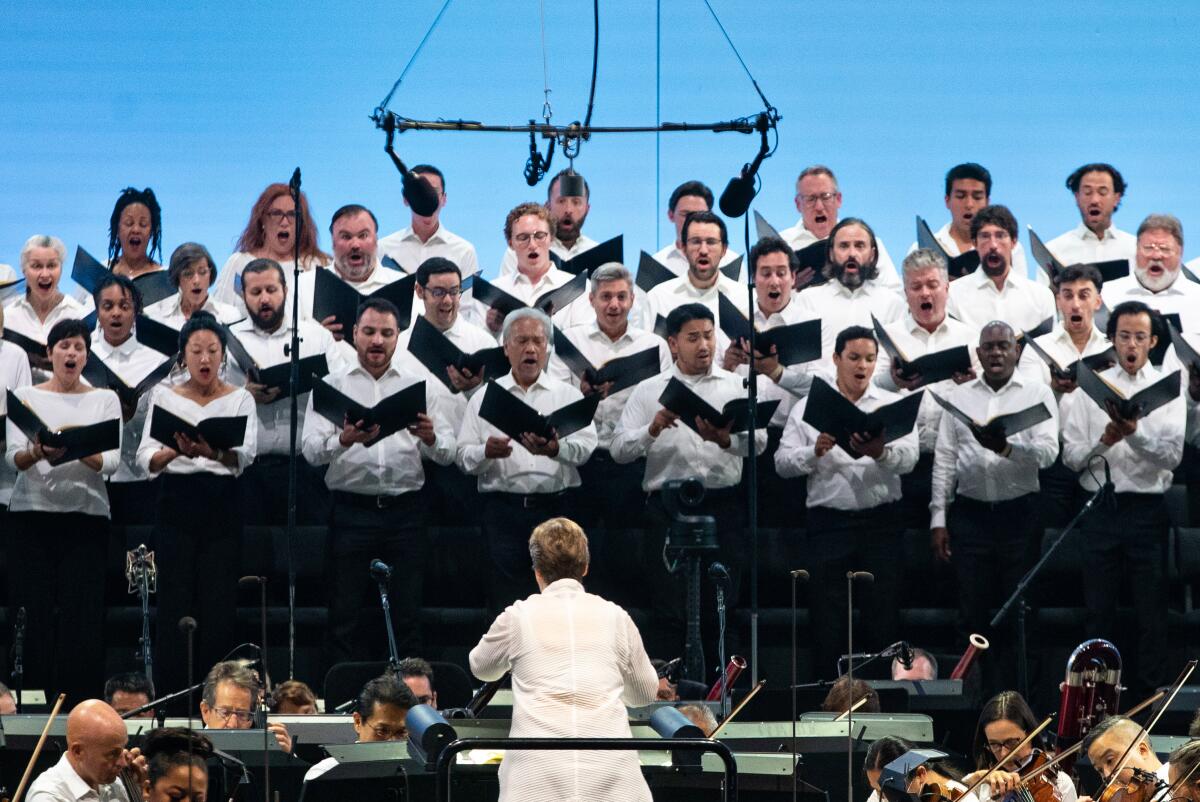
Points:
x=865 y=576
x=718 y=573
x=800 y=574
x=381 y=570
x=741 y=189
x=421 y=196
x=187 y=624
x=294 y=184
x=906 y=655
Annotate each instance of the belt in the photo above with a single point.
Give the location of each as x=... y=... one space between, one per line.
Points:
x=364 y=501
x=530 y=501
x=996 y=506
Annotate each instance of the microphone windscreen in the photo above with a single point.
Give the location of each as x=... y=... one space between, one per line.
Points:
x=421 y=196
x=738 y=194
x=800 y=574
x=187 y=624
x=251 y=580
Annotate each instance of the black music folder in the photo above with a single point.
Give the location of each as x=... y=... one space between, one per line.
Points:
x=1145 y=401
x=1183 y=349
x=1008 y=424
x=677 y=397
x=651 y=273
x=1101 y=361
x=732 y=270
x=394 y=413
x=99 y=374
x=514 y=417
x=958 y=266
x=1110 y=270
x=79 y=441
x=277 y=376
x=1159 y=351
x=549 y=302
x=814 y=256
x=217 y=432
x=763 y=228
x=332 y=296
x=932 y=368
x=794 y=343
x=28 y=344
x=159 y=336
x=436 y=352
x=660 y=326
x=623 y=372
x=87 y=272
x=830 y=412
x=612 y=250
x=1045 y=327
x=389 y=262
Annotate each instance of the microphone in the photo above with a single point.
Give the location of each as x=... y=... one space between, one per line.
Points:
x=718 y=573
x=906 y=655
x=381 y=570
x=800 y=574
x=741 y=189
x=187 y=624
x=865 y=576
x=246 y=581
x=422 y=198
x=1109 y=488
x=294 y=184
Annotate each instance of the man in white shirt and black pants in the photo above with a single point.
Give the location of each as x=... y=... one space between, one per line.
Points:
x=853 y=507
x=1124 y=543
x=674 y=452
x=377 y=509
x=527 y=481
x=992 y=532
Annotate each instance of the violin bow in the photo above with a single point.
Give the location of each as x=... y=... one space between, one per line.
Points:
x=1004 y=762
x=37 y=750
x=1066 y=753
x=1146 y=728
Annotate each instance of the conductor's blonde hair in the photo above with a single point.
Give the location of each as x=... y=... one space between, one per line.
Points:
x=559 y=550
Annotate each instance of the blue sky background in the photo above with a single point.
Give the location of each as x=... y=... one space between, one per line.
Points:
x=207 y=102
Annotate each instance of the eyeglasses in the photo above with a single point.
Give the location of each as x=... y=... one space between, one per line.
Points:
x=444 y=292
x=226 y=713
x=696 y=242
x=1154 y=247
x=818 y=197
x=384 y=733
x=278 y=216
x=1004 y=746
x=540 y=236
x=1140 y=337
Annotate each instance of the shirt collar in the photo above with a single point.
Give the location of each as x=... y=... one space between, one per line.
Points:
x=104 y=348
x=594 y=332
x=687 y=378
x=509 y=382
x=563 y=586
x=75 y=784
x=66 y=301
x=913 y=327
x=1087 y=235
x=247 y=326
x=1013 y=381
x=359 y=369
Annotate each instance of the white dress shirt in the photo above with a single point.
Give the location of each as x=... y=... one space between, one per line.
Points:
x=7 y=274
x=393 y=465
x=1139 y=463
x=508 y=266
x=795 y=380
x=798 y=236
x=378 y=278
x=676 y=292
x=596 y=346
x=950 y=246
x=839 y=307
x=14 y=373
x=577 y=661
x=1181 y=298
x=225 y=289
x=676 y=261
x=838 y=480
x=1061 y=347
x=1023 y=304
x=61 y=783
x=963 y=467
x=72 y=486
x=231 y=405
x=21 y=318
x=267 y=350
x=466 y=336
x=132 y=362
x=522 y=472
x=678 y=452
x=409 y=252
x=1062 y=781
x=521 y=287
x=1080 y=245
x=169 y=311
x=915 y=341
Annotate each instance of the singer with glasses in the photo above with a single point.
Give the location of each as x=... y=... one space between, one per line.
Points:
x=1004 y=723
x=198 y=522
x=271 y=233
x=56 y=531
x=566 y=239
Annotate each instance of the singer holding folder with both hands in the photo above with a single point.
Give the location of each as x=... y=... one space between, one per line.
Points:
x=198 y=522
x=57 y=527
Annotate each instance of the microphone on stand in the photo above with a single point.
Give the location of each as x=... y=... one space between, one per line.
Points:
x=381 y=571
x=260 y=715
x=906 y=655
x=798 y=575
x=294 y=184
x=719 y=574
x=740 y=191
x=851 y=576
x=418 y=193
x=19 y=656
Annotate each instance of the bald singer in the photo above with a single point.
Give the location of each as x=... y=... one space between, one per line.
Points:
x=95 y=757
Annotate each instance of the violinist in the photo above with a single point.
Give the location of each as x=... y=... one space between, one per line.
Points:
x=1004 y=723
x=1184 y=772
x=914 y=772
x=881 y=752
x=1106 y=743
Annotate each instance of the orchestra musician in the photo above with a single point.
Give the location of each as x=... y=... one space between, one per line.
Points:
x=920 y=771
x=576 y=660
x=1004 y=723
x=1106 y=743
x=1184 y=772
x=380 y=714
x=56 y=533
x=881 y=752
x=176 y=765
x=198 y=525
x=96 y=756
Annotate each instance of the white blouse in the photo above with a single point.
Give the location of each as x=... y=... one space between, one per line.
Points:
x=230 y=405
x=14 y=373
x=72 y=486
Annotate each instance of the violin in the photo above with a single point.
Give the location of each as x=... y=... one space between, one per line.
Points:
x=1143 y=786
x=932 y=792
x=1035 y=786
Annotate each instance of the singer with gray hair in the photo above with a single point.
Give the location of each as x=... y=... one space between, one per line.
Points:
x=34 y=313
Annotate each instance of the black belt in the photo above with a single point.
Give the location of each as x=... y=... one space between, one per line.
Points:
x=366 y=502
x=529 y=501
x=996 y=506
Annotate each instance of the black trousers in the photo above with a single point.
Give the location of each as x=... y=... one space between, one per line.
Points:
x=1061 y=497
x=1125 y=546
x=992 y=545
x=132 y=503
x=611 y=508
x=451 y=495
x=264 y=489
x=508 y=520
x=56 y=572
x=916 y=487
x=667 y=631
x=841 y=541
x=780 y=501
x=197 y=541
x=362 y=528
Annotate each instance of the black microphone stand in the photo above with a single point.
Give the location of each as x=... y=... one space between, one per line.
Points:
x=720 y=583
x=393 y=655
x=294 y=422
x=18 y=671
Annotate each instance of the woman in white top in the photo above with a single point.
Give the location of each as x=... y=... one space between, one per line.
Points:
x=271 y=234
x=198 y=521
x=135 y=233
x=43 y=304
x=1004 y=722
x=14 y=373
x=881 y=752
x=57 y=526
x=193 y=271
x=576 y=662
